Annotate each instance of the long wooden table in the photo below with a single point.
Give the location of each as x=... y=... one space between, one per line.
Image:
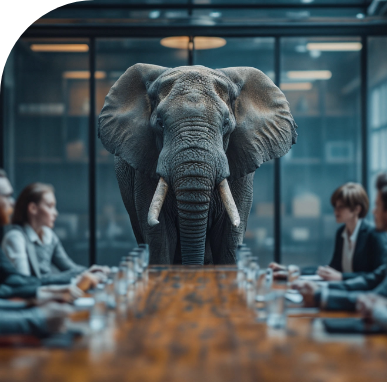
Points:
x=193 y=324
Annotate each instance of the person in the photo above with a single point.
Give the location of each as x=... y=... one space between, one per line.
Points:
x=49 y=316
x=31 y=245
x=359 y=247
x=343 y=295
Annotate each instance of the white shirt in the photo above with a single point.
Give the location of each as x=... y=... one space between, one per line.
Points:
x=349 y=244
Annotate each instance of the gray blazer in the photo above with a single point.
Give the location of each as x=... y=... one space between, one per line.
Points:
x=40 y=259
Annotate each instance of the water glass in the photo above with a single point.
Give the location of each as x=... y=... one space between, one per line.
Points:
x=145 y=255
x=293 y=274
x=241 y=252
x=98 y=314
x=110 y=294
x=121 y=280
x=263 y=284
x=275 y=309
x=136 y=255
x=252 y=271
x=131 y=269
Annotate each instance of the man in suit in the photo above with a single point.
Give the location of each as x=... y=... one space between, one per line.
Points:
x=343 y=295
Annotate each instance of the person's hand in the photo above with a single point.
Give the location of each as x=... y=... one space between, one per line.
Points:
x=87 y=281
x=279 y=271
x=99 y=268
x=308 y=290
x=277 y=267
x=329 y=274
x=366 y=303
x=55 y=315
x=61 y=293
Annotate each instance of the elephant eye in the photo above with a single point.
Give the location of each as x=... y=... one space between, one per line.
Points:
x=159 y=122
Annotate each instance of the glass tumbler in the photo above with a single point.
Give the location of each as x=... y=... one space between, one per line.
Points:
x=98 y=314
x=145 y=255
x=263 y=284
x=293 y=274
x=275 y=309
x=121 y=280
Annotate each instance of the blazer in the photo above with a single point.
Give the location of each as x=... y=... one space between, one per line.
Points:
x=343 y=295
x=32 y=257
x=23 y=321
x=370 y=251
x=14 y=284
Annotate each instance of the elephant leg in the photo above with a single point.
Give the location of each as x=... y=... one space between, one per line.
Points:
x=125 y=176
x=224 y=238
x=162 y=238
x=137 y=191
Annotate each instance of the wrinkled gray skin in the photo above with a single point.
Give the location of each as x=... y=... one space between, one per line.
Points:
x=194 y=127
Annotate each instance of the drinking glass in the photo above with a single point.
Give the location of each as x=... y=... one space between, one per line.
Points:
x=121 y=280
x=252 y=271
x=131 y=269
x=293 y=274
x=98 y=314
x=145 y=255
x=275 y=309
x=263 y=284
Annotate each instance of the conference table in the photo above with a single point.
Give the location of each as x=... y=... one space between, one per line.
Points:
x=199 y=324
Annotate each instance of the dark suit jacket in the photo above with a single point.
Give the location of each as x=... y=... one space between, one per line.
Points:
x=14 y=284
x=370 y=251
x=23 y=321
x=343 y=295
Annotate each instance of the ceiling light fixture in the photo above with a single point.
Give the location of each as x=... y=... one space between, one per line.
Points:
x=201 y=43
x=63 y=48
x=83 y=75
x=296 y=86
x=309 y=74
x=334 y=46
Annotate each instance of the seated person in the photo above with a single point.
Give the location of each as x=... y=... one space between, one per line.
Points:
x=14 y=284
x=48 y=317
x=359 y=247
x=31 y=245
x=343 y=295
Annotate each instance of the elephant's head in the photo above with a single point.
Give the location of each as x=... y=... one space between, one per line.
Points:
x=192 y=128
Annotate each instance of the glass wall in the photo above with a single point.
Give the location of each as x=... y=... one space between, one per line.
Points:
x=377 y=110
x=321 y=80
x=258 y=53
x=114 y=233
x=46 y=85
x=46 y=129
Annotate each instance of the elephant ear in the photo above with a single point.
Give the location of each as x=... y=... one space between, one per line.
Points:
x=123 y=124
x=265 y=128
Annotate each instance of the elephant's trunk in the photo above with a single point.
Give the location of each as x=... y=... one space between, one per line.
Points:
x=193 y=193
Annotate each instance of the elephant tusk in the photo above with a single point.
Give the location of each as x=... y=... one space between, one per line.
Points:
x=157 y=202
x=228 y=201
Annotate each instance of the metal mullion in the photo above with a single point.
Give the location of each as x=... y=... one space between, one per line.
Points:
x=277 y=166
x=191 y=51
x=364 y=111
x=92 y=158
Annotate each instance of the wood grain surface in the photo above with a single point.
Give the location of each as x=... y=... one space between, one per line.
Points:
x=193 y=324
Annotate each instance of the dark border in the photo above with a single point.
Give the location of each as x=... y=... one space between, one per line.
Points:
x=92 y=159
x=364 y=111
x=277 y=165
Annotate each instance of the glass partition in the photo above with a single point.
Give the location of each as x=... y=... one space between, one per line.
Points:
x=377 y=111
x=321 y=79
x=258 y=53
x=114 y=232
x=46 y=84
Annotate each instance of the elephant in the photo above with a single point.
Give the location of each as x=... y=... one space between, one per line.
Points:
x=186 y=144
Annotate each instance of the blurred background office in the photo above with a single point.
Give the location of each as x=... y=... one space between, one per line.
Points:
x=328 y=57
